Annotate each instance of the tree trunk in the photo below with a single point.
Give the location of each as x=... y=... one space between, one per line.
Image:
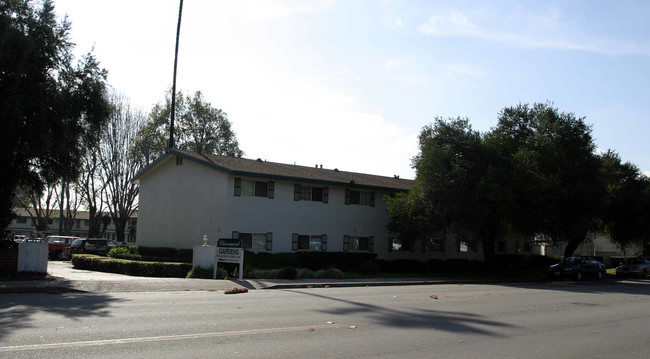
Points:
x=489 y=256
x=573 y=243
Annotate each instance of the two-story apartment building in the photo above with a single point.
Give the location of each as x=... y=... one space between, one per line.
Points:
x=270 y=206
x=277 y=207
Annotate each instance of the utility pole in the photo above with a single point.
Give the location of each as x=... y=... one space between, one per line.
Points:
x=171 y=145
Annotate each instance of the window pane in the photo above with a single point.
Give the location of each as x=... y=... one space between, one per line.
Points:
x=317 y=194
x=259 y=241
x=246 y=240
x=247 y=188
x=315 y=243
x=354 y=197
x=364 y=198
x=305 y=193
x=261 y=189
x=303 y=242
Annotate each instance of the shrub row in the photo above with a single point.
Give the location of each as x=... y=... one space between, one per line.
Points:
x=293 y=273
x=130 y=267
x=145 y=254
x=346 y=261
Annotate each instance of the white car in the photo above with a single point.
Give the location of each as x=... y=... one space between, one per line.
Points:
x=636 y=266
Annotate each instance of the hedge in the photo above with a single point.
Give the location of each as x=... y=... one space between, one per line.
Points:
x=130 y=267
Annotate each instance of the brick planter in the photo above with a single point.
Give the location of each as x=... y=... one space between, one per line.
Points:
x=8 y=260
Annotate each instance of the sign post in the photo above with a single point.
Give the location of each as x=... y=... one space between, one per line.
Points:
x=229 y=251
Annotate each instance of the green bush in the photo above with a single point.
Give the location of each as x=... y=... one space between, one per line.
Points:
x=263 y=274
x=130 y=267
x=287 y=273
x=305 y=273
x=331 y=273
x=118 y=251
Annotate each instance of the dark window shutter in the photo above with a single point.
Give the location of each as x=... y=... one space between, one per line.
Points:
x=390 y=244
x=372 y=199
x=237 y=186
x=371 y=244
x=347 y=196
x=346 y=243
x=271 y=189
x=296 y=192
x=235 y=235
x=269 y=241
x=326 y=194
x=294 y=242
x=323 y=239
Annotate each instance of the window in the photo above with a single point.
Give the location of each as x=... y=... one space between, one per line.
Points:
x=352 y=243
x=179 y=161
x=254 y=188
x=311 y=242
x=528 y=246
x=309 y=193
x=22 y=220
x=434 y=244
x=253 y=240
x=360 y=197
x=501 y=246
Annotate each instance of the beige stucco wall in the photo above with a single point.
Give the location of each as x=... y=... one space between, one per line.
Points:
x=179 y=204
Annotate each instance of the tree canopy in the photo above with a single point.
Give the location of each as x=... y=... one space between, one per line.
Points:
x=200 y=128
x=50 y=104
x=536 y=173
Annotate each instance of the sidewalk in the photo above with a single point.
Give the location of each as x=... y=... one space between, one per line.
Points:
x=68 y=279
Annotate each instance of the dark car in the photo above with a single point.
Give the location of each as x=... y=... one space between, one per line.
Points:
x=637 y=266
x=577 y=267
x=99 y=246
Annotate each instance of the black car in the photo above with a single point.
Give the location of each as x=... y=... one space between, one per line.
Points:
x=99 y=246
x=577 y=267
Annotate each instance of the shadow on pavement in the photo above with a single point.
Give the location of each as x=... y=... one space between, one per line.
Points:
x=16 y=310
x=456 y=322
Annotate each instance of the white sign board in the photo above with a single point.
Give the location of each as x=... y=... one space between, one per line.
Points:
x=230 y=251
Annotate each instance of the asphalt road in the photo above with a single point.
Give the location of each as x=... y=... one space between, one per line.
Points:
x=591 y=319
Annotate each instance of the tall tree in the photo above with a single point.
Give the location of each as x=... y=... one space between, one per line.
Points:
x=626 y=214
x=120 y=162
x=90 y=186
x=200 y=128
x=49 y=104
x=559 y=160
x=39 y=204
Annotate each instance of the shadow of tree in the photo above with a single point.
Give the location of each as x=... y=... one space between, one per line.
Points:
x=16 y=310
x=456 y=322
x=613 y=285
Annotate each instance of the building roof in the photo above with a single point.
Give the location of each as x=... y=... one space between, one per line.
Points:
x=281 y=171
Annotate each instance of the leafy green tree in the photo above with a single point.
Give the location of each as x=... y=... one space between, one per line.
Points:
x=200 y=128
x=534 y=173
x=626 y=212
x=50 y=105
x=554 y=154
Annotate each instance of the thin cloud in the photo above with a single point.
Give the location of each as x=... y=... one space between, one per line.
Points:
x=457 y=24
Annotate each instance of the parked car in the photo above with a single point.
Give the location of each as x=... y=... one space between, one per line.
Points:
x=100 y=246
x=636 y=266
x=59 y=246
x=577 y=267
x=19 y=238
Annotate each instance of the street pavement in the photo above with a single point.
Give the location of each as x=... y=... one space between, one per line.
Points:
x=63 y=277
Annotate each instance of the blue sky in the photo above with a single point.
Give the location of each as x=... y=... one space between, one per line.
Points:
x=350 y=84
